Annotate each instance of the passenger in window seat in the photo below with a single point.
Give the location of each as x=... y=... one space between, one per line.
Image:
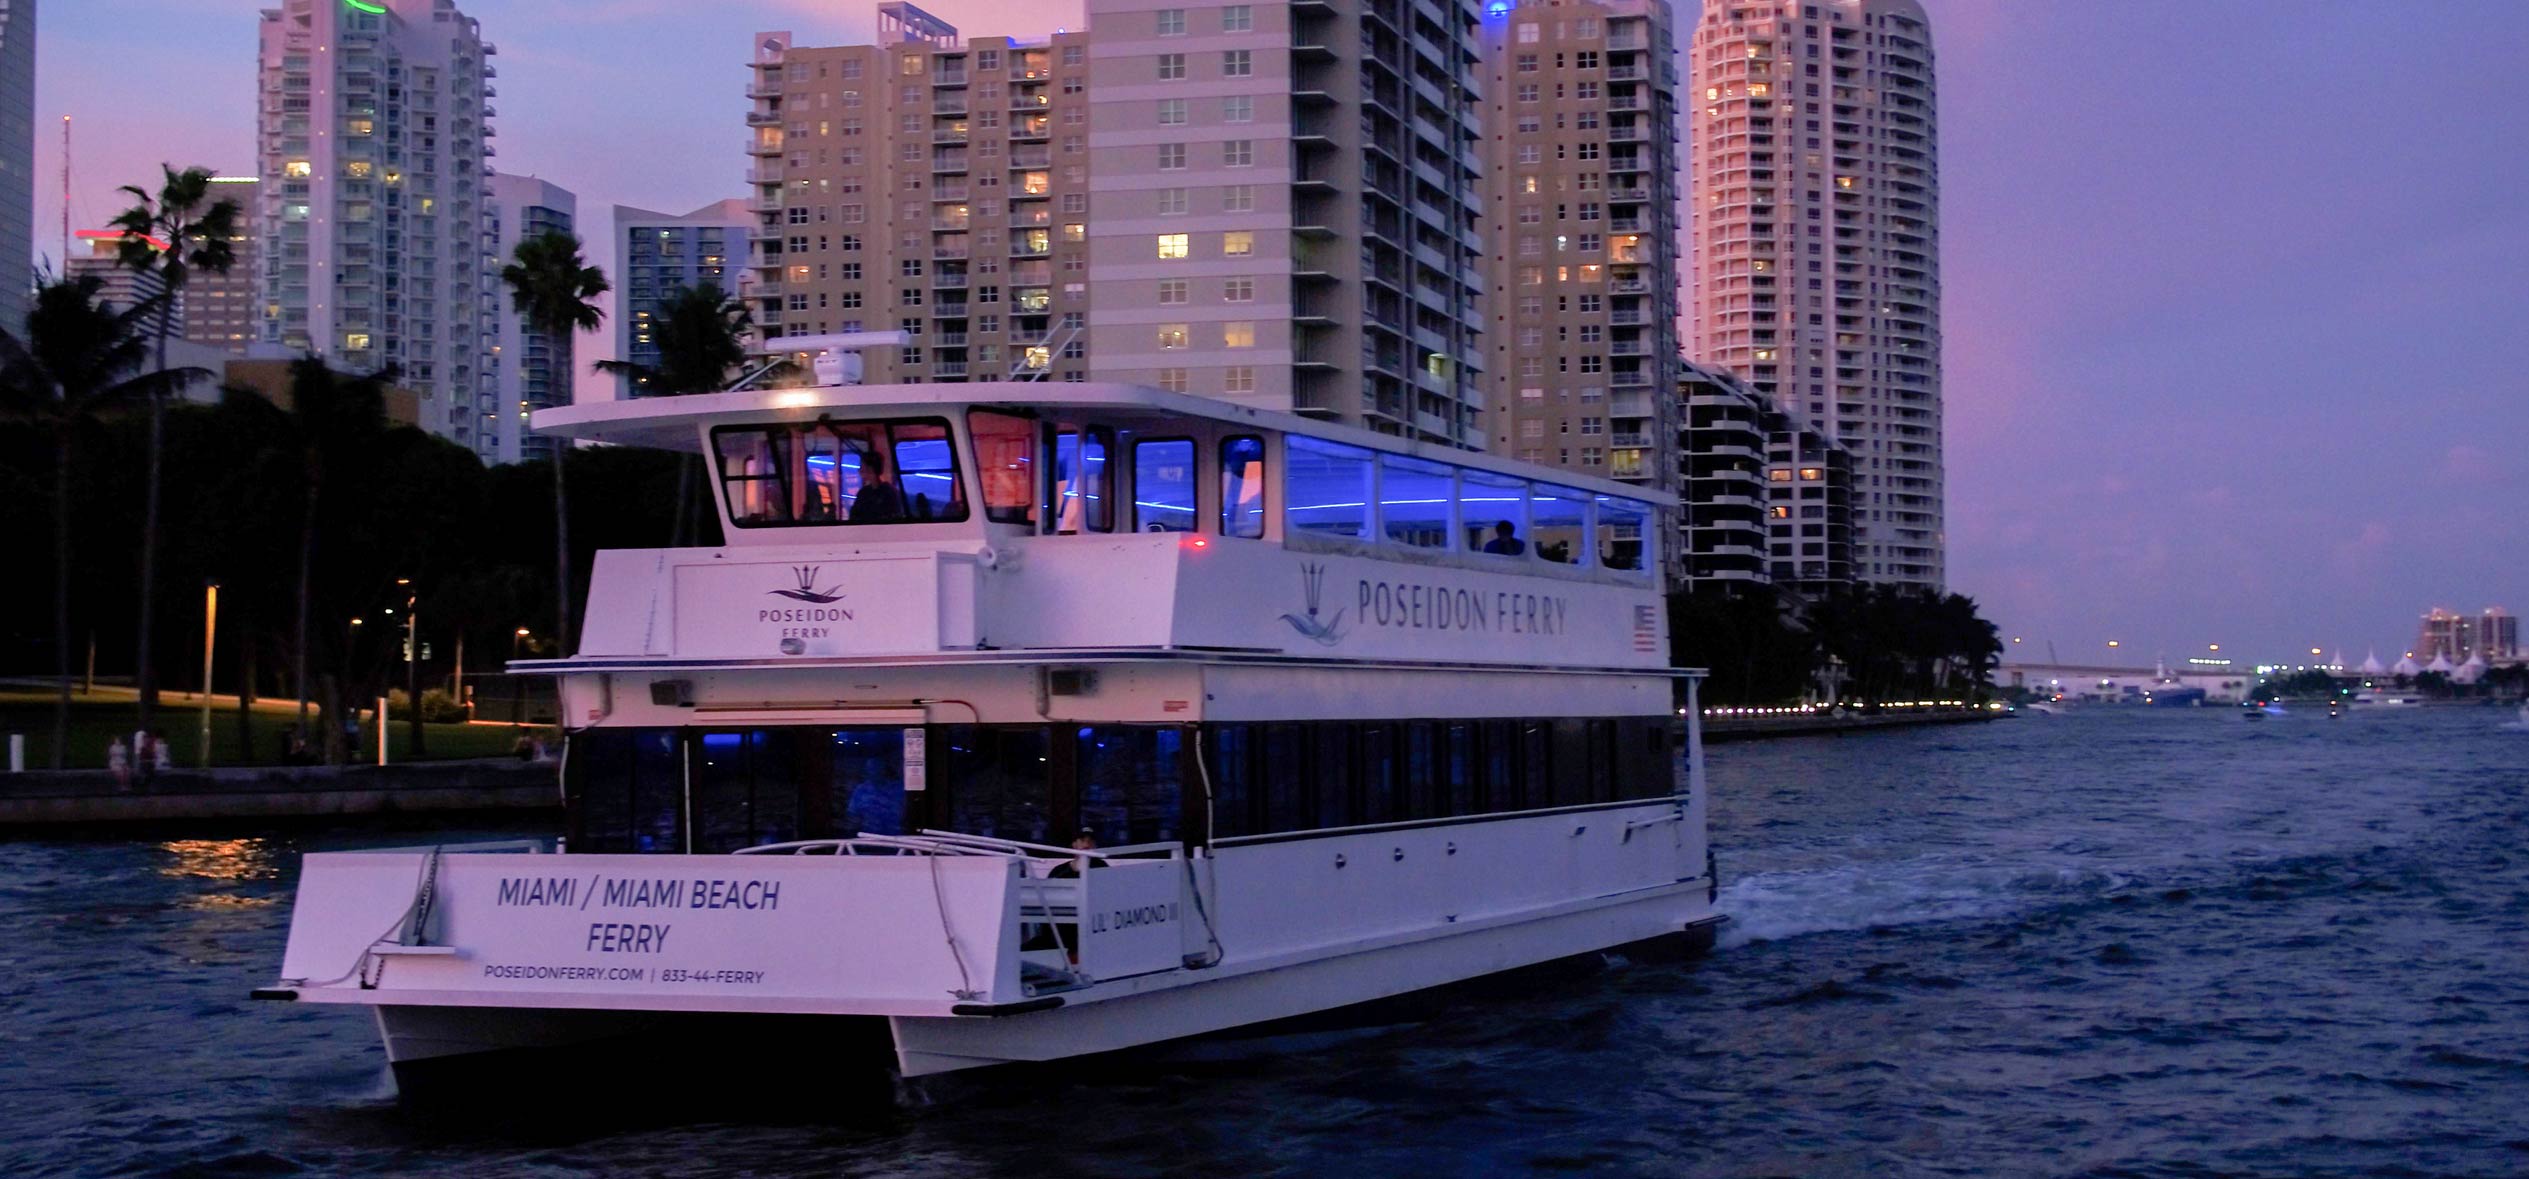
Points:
x=1505 y=541
x=880 y=501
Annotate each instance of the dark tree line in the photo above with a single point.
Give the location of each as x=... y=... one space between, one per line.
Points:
x=1866 y=644
x=307 y=518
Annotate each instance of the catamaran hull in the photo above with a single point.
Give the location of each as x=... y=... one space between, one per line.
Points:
x=442 y=1050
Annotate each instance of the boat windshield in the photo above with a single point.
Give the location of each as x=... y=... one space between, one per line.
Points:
x=898 y=471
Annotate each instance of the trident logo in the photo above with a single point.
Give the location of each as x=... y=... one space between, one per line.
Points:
x=1325 y=630
x=806 y=575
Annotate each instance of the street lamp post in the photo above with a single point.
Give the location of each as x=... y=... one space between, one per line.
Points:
x=210 y=628
x=517 y=695
x=412 y=662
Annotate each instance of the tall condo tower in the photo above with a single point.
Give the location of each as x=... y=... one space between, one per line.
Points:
x=374 y=125
x=1286 y=199
x=658 y=254
x=1580 y=175
x=530 y=367
x=1815 y=271
x=17 y=159
x=927 y=184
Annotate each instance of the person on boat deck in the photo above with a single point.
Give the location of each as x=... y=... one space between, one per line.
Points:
x=880 y=500
x=1087 y=840
x=1505 y=541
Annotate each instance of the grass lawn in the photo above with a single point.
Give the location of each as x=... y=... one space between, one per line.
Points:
x=96 y=719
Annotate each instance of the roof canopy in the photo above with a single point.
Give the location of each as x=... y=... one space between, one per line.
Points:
x=675 y=423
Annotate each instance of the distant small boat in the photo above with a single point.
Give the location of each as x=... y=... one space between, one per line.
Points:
x=2042 y=708
x=2393 y=701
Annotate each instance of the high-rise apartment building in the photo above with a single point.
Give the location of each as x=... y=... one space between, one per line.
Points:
x=530 y=367
x=1766 y=496
x=220 y=309
x=117 y=284
x=2444 y=633
x=17 y=160
x=1580 y=175
x=374 y=127
x=1287 y=198
x=1815 y=269
x=926 y=184
x=2497 y=634
x=658 y=254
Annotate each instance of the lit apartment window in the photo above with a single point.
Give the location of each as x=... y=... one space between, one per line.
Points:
x=1172 y=245
x=1528 y=32
x=1172 y=67
x=1238 y=18
x=1238 y=334
x=1238 y=63
x=1238 y=243
x=1172 y=336
x=1172 y=22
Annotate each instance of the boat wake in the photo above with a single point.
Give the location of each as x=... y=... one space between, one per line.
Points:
x=1769 y=906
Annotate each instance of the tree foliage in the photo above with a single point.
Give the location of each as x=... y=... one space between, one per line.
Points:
x=1866 y=644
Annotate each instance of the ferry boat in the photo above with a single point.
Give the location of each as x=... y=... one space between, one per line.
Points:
x=1024 y=721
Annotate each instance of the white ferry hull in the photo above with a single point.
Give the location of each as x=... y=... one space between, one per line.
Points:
x=929 y=1046
x=417 y=1036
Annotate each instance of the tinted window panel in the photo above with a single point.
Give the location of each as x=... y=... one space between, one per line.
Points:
x=1325 y=487
x=866 y=781
x=1130 y=787
x=1416 y=501
x=996 y=781
x=1493 y=510
x=1242 y=486
x=1005 y=461
x=1080 y=482
x=1163 y=485
x=1560 y=517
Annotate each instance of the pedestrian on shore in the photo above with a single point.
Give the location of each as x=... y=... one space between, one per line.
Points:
x=143 y=765
x=118 y=762
x=161 y=758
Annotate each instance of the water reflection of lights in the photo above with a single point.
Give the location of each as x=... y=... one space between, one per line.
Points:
x=220 y=859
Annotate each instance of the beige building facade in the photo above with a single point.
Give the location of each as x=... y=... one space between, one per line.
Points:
x=1287 y=205
x=1814 y=265
x=928 y=184
x=1580 y=186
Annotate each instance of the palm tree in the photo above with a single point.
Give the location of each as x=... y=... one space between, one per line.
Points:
x=171 y=233
x=701 y=337
x=700 y=333
x=334 y=420
x=77 y=358
x=555 y=289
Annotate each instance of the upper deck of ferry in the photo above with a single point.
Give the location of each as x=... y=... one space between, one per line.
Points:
x=981 y=521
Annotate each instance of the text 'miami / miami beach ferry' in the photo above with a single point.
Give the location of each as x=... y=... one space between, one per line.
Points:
x=1023 y=721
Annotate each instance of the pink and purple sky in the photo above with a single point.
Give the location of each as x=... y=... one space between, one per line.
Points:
x=2234 y=291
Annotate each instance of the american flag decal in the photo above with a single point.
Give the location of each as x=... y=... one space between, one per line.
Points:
x=1646 y=630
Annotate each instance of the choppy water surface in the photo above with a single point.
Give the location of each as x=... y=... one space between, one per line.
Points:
x=2112 y=943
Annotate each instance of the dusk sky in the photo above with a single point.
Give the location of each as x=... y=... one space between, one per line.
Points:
x=2233 y=290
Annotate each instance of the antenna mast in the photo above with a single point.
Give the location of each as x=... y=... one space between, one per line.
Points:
x=65 y=193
